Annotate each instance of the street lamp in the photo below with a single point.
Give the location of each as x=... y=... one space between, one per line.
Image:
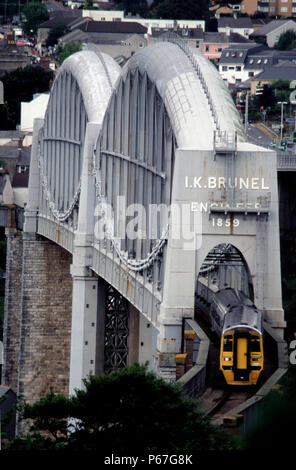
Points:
x=282 y=113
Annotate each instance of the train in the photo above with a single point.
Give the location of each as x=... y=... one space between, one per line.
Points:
x=238 y=323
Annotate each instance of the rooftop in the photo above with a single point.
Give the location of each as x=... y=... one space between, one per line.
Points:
x=224 y=38
x=268 y=28
x=113 y=27
x=282 y=72
x=64 y=18
x=240 y=22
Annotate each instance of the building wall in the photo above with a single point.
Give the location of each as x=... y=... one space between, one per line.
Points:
x=231 y=73
x=249 y=6
x=213 y=51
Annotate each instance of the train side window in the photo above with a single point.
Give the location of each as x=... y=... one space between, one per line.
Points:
x=255 y=345
x=227 y=344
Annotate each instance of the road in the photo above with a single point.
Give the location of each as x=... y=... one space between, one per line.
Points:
x=256 y=136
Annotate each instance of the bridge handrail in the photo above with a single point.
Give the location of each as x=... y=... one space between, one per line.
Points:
x=175 y=39
x=286 y=159
x=193 y=381
x=131 y=264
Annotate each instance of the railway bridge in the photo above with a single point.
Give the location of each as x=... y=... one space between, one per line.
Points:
x=137 y=175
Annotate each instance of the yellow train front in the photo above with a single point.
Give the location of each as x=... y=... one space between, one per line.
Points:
x=240 y=324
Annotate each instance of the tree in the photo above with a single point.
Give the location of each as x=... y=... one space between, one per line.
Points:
x=125 y=410
x=54 y=34
x=88 y=5
x=35 y=13
x=134 y=7
x=276 y=426
x=286 y=41
x=20 y=85
x=67 y=50
x=178 y=9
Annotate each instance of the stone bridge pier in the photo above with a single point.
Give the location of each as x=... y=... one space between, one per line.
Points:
x=38 y=311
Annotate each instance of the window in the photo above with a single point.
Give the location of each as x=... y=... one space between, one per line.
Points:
x=255 y=345
x=224 y=68
x=207 y=48
x=284 y=9
x=220 y=49
x=197 y=44
x=227 y=343
x=241 y=54
x=271 y=9
x=259 y=61
x=227 y=54
x=265 y=61
x=251 y=61
x=231 y=68
x=238 y=68
x=251 y=74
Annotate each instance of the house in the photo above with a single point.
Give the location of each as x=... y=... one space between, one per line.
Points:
x=270 y=33
x=248 y=7
x=214 y=44
x=193 y=36
x=238 y=64
x=67 y=19
x=19 y=183
x=33 y=109
x=149 y=23
x=282 y=71
x=242 y=25
x=118 y=39
x=277 y=7
x=211 y=44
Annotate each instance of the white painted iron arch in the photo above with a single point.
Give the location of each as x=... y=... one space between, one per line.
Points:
x=186 y=96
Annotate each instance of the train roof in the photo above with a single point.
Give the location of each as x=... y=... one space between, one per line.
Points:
x=239 y=310
x=243 y=316
x=230 y=296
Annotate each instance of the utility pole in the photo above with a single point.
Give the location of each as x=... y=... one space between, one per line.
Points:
x=246 y=112
x=282 y=116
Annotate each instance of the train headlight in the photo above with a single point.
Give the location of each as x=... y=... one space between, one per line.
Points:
x=226 y=358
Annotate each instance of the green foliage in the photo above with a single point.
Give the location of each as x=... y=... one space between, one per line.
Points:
x=21 y=85
x=275 y=429
x=125 y=410
x=133 y=6
x=67 y=50
x=287 y=41
x=178 y=9
x=11 y=7
x=88 y=5
x=288 y=267
x=54 y=34
x=35 y=13
x=261 y=40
